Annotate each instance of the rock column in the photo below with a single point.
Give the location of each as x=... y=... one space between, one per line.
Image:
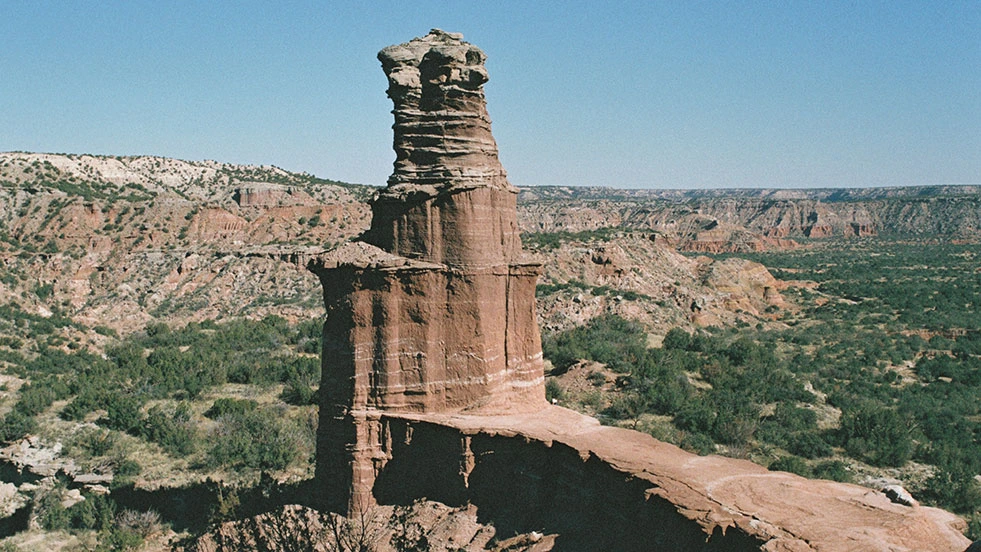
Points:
x=433 y=311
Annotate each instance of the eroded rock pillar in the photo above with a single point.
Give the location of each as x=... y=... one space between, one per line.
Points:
x=433 y=310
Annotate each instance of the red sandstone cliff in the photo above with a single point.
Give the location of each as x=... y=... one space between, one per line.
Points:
x=434 y=310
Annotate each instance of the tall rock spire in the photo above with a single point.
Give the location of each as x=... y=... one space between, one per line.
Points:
x=448 y=200
x=434 y=311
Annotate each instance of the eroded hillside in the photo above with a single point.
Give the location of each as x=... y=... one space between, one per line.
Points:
x=754 y=220
x=123 y=241
x=120 y=241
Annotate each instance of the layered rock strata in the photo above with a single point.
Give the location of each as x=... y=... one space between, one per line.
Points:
x=432 y=373
x=433 y=311
x=605 y=488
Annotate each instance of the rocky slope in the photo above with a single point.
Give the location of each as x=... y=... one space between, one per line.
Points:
x=121 y=241
x=424 y=525
x=634 y=276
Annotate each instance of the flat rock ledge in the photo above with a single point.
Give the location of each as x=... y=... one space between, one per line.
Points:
x=562 y=472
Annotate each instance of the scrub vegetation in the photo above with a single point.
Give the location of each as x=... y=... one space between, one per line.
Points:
x=876 y=372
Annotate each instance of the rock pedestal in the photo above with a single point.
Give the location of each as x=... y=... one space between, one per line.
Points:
x=433 y=311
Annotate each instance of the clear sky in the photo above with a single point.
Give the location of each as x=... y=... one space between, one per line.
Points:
x=672 y=94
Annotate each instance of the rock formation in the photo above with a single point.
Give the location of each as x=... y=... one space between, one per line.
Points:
x=432 y=379
x=434 y=310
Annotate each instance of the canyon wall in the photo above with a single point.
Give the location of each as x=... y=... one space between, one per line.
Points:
x=750 y=220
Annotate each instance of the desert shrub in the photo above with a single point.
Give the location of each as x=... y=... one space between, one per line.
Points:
x=35 y=398
x=50 y=513
x=876 y=434
x=953 y=486
x=44 y=291
x=12 y=342
x=597 y=378
x=676 y=338
x=627 y=406
x=553 y=391
x=974 y=527
x=142 y=523
x=87 y=400
x=120 y=538
x=737 y=416
x=792 y=464
x=696 y=417
x=610 y=339
x=226 y=406
x=835 y=470
x=553 y=240
x=309 y=336
x=11 y=357
x=173 y=431
x=96 y=512
x=93 y=441
x=16 y=425
x=808 y=444
x=667 y=394
x=123 y=413
x=298 y=394
x=699 y=443
x=106 y=331
x=127 y=467
x=257 y=439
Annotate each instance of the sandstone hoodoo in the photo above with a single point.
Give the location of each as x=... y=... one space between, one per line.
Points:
x=432 y=380
x=434 y=310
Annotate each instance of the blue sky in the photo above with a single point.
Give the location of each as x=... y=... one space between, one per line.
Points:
x=679 y=94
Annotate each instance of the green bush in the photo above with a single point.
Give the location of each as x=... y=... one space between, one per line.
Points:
x=231 y=407
x=16 y=425
x=878 y=435
x=553 y=391
x=94 y=441
x=809 y=444
x=792 y=464
x=699 y=443
x=128 y=468
x=954 y=487
x=96 y=512
x=86 y=401
x=612 y=340
x=123 y=413
x=835 y=470
x=298 y=394
x=627 y=406
x=257 y=439
x=676 y=338
x=173 y=431
x=44 y=291
x=51 y=514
